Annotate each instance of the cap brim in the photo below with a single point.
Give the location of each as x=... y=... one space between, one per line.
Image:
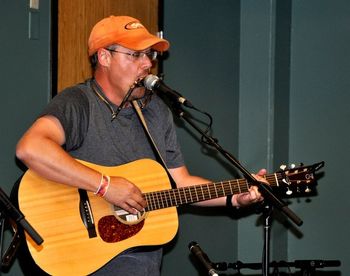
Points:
x=141 y=43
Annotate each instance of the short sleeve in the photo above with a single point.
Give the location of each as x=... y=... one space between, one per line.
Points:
x=71 y=108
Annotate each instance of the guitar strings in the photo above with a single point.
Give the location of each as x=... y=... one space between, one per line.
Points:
x=174 y=197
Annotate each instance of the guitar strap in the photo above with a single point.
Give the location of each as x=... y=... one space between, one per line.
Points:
x=152 y=142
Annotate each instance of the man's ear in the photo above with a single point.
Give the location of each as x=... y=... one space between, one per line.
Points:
x=104 y=57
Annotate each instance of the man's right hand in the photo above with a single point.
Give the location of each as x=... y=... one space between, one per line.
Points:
x=125 y=195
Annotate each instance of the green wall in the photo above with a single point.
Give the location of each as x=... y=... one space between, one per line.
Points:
x=274 y=76
x=319 y=125
x=203 y=64
x=25 y=80
x=25 y=75
x=291 y=105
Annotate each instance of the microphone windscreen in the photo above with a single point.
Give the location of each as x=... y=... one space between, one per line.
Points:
x=150 y=81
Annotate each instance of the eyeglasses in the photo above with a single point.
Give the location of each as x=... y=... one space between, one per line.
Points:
x=151 y=54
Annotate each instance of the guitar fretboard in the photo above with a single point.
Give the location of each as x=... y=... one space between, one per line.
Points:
x=191 y=194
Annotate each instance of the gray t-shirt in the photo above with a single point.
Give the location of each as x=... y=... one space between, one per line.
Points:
x=92 y=136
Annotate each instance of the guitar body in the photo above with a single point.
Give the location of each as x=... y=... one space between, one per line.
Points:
x=53 y=211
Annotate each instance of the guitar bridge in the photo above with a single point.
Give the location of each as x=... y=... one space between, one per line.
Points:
x=86 y=214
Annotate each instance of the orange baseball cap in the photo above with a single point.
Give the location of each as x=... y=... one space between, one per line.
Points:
x=125 y=31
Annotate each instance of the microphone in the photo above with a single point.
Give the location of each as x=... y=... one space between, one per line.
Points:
x=202 y=257
x=152 y=82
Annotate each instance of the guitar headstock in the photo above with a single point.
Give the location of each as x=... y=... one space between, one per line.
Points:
x=298 y=179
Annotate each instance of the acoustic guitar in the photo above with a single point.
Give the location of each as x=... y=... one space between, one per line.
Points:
x=82 y=232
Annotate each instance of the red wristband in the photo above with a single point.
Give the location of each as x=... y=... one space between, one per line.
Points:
x=104 y=184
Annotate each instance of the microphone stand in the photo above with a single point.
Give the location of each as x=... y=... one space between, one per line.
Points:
x=263 y=188
x=270 y=198
x=267 y=213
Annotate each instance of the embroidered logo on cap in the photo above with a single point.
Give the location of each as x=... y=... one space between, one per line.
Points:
x=134 y=25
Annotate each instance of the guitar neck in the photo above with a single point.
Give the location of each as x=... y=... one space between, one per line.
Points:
x=196 y=193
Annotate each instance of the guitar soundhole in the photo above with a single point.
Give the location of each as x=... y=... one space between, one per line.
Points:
x=111 y=230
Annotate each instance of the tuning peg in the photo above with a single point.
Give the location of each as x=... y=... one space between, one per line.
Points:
x=289 y=192
x=307 y=190
x=292 y=166
x=283 y=167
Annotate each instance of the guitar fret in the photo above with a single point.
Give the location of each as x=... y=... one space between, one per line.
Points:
x=208 y=191
x=169 y=201
x=146 y=198
x=215 y=191
x=227 y=188
x=172 y=199
x=154 y=201
x=223 y=190
x=196 y=197
x=188 y=194
x=184 y=194
x=161 y=199
x=175 y=198
x=239 y=186
x=201 y=187
x=179 y=193
x=247 y=185
x=180 y=196
x=164 y=199
x=157 y=198
x=193 y=193
x=230 y=187
x=187 y=191
x=149 y=202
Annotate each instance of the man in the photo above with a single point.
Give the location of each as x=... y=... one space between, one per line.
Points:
x=96 y=122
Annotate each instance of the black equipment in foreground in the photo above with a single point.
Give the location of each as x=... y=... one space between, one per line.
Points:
x=9 y=213
x=202 y=257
